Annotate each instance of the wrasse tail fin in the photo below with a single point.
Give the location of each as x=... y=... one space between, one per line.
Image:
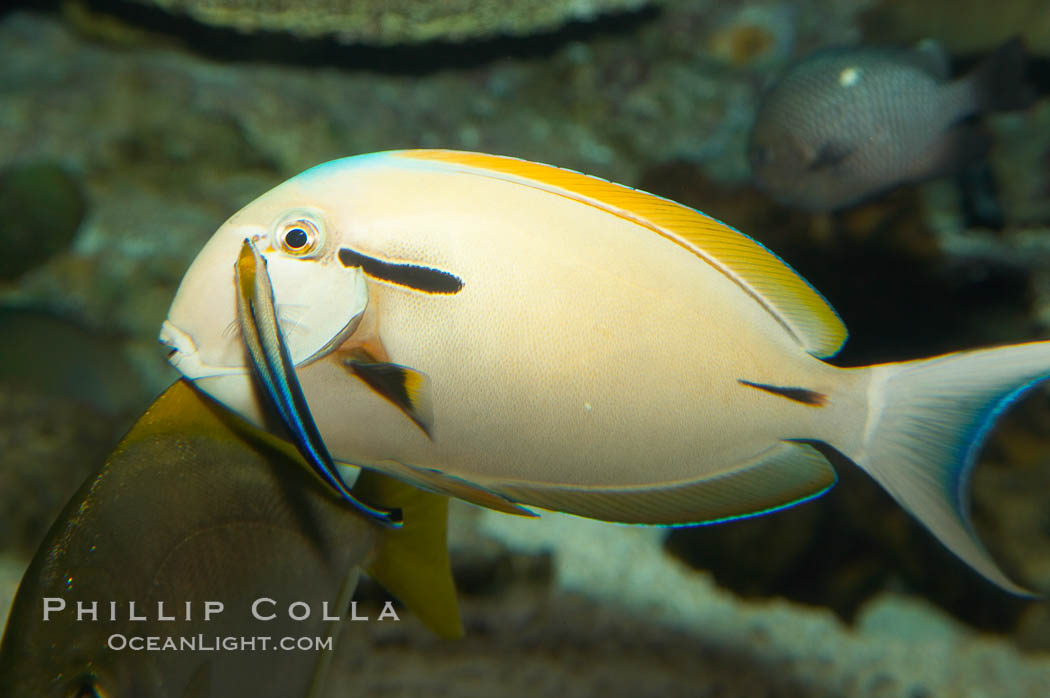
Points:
x=412 y=562
x=785 y=475
x=928 y=422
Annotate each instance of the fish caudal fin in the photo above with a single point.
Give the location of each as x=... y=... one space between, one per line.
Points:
x=926 y=423
x=1000 y=81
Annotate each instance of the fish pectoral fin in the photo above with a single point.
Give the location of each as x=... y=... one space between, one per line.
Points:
x=412 y=562
x=786 y=474
x=830 y=155
x=453 y=486
x=406 y=388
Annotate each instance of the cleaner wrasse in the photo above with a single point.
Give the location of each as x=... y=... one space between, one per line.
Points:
x=270 y=358
x=193 y=508
x=513 y=334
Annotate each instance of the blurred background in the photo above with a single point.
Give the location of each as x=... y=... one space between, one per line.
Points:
x=131 y=129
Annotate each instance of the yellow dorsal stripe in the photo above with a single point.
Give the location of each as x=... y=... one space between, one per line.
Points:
x=777 y=287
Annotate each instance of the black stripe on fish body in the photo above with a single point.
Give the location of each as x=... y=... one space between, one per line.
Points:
x=803 y=395
x=420 y=278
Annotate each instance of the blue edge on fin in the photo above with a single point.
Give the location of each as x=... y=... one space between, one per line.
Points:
x=961 y=475
x=762 y=512
x=986 y=419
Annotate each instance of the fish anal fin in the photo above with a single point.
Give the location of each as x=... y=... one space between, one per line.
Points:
x=406 y=388
x=412 y=562
x=800 y=308
x=787 y=474
x=958 y=146
x=453 y=486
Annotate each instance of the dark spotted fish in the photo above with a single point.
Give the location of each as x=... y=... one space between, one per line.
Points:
x=848 y=123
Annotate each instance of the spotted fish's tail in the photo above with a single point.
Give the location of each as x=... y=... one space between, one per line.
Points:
x=927 y=421
x=1000 y=81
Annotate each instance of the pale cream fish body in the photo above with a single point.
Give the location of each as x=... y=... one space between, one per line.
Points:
x=586 y=347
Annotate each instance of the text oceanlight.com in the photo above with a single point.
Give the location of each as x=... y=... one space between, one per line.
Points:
x=203 y=643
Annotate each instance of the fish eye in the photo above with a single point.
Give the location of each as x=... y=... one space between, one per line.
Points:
x=297 y=235
x=296 y=238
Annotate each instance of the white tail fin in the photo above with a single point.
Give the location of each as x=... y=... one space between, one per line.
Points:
x=926 y=423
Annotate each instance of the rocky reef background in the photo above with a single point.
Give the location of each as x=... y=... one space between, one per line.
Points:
x=128 y=134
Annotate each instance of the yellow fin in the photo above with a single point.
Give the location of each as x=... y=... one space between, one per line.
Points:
x=777 y=287
x=786 y=474
x=412 y=562
x=184 y=409
x=178 y=410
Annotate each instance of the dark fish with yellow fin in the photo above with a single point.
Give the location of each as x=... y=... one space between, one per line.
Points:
x=196 y=507
x=845 y=124
x=588 y=348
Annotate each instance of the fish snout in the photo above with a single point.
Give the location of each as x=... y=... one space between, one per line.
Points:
x=179 y=344
x=185 y=356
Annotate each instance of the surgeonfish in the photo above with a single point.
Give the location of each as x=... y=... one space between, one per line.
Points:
x=196 y=507
x=588 y=348
x=845 y=124
x=257 y=321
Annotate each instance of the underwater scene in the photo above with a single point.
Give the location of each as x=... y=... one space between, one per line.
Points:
x=540 y=347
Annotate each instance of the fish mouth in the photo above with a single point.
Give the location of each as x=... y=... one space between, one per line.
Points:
x=186 y=358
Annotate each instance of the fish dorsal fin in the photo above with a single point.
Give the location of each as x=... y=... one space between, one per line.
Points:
x=929 y=55
x=799 y=308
